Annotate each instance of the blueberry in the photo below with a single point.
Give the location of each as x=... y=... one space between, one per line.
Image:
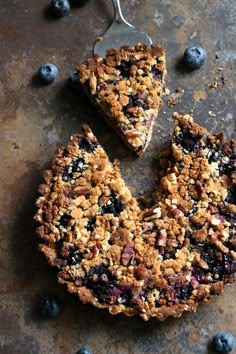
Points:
x=74 y=81
x=84 y=351
x=194 y=57
x=156 y=73
x=224 y=342
x=124 y=68
x=49 y=306
x=137 y=101
x=74 y=256
x=48 y=72
x=87 y=144
x=78 y=165
x=60 y=7
x=90 y=225
x=113 y=206
x=188 y=141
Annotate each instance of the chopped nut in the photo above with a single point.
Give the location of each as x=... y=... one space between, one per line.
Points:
x=214 y=85
x=152 y=214
x=179 y=90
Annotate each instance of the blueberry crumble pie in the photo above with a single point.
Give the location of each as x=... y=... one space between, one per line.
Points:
x=156 y=262
x=126 y=87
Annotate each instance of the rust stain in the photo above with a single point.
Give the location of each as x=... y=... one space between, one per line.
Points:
x=199 y=95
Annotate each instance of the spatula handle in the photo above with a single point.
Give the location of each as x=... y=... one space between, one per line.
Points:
x=117 y=11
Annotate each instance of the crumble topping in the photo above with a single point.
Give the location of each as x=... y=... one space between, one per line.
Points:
x=127 y=86
x=156 y=262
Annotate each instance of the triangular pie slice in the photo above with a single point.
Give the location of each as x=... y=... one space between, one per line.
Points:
x=126 y=86
x=157 y=262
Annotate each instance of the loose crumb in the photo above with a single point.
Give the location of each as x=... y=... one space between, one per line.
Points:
x=211 y=114
x=173 y=101
x=179 y=90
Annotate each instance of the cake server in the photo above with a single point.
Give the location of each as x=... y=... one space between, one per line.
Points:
x=120 y=33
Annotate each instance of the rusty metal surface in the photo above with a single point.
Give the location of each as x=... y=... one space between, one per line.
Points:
x=35 y=120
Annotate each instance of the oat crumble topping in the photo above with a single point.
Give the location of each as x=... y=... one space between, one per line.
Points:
x=156 y=262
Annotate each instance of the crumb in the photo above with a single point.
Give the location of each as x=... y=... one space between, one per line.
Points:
x=214 y=85
x=217 y=56
x=100 y=39
x=166 y=92
x=173 y=101
x=179 y=90
x=211 y=114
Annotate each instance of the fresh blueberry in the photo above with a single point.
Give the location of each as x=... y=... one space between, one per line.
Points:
x=60 y=7
x=74 y=81
x=194 y=57
x=49 y=306
x=224 y=342
x=48 y=72
x=84 y=351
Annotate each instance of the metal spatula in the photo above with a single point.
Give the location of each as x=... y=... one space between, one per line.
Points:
x=120 y=33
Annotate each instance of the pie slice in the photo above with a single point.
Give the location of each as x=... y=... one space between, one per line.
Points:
x=157 y=262
x=126 y=87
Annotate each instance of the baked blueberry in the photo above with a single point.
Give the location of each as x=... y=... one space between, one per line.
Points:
x=49 y=306
x=187 y=140
x=84 y=351
x=87 y=145
x=91 y=225
x=60 y=7
x=224 y=342
x=124 y=68
x=74 y=256
x=194 y=57
x=48 y=72
x=113 y=206
x=156 y=73
x=76 y=166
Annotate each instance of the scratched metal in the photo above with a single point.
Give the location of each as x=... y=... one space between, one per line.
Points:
x=36 y=119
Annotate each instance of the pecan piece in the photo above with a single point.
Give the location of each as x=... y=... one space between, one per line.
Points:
x=82 y=190
x=127 y=253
